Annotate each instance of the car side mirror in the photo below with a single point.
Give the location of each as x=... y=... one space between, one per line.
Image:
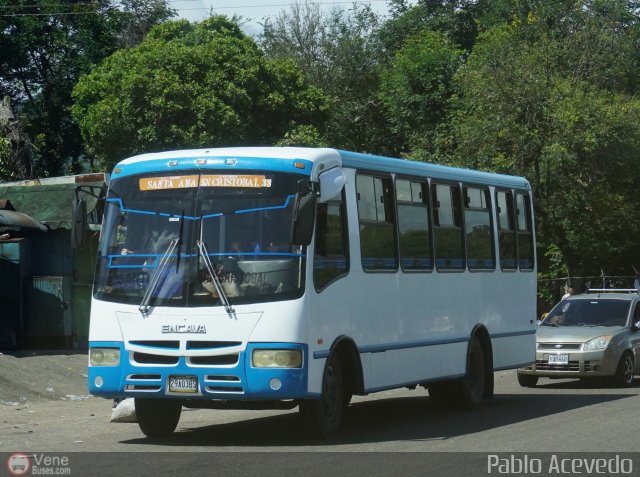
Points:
x=635 y=326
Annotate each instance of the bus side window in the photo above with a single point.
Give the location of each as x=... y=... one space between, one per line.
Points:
x=525 y=232
x=413 y=225
x=447 y=227
x=331 y=259
x=478 y=229
x=377 y=223
x=506 y=230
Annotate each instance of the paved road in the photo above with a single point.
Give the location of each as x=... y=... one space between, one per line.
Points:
x=556 y=416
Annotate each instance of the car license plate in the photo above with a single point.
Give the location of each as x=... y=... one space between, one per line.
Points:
x=183 y=384
x=558 y=359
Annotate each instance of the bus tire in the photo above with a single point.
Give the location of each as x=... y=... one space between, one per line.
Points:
x=157 y=417
x=472 y=386
x=321 y=417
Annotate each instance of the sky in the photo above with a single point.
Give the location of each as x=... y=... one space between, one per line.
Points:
x=254 y=11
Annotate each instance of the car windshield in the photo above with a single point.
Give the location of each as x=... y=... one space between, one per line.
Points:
x=589 y=312
x=242 y=221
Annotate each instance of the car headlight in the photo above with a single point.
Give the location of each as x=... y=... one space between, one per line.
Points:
x=276 y=358
x=601 y=342
x=104 y=356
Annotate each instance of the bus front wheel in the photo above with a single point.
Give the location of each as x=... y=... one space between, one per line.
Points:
x=157 y=417
x=321 y=417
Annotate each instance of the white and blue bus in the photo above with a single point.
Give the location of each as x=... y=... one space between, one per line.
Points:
x=282 y=277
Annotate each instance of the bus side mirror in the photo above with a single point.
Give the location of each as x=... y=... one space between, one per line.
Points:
x=79 y=225
x=331 y=184
x=304 y=213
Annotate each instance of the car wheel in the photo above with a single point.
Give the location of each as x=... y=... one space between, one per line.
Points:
x=158 y=417
x=624 y=374
x=527 y=380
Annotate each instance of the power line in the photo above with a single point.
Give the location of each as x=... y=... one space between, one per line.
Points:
x=212 y=7
x=47 y=5
x=289 y=4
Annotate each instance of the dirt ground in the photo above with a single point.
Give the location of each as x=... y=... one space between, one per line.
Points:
x=35 y=376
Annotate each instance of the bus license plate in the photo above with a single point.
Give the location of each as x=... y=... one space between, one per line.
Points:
x=183 y=384
x=558 y=359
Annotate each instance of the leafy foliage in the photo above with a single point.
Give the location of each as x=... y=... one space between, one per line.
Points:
x=416 y=89
x=341 y=55
x=553 y=99
x=191 y=85
x=45 y=46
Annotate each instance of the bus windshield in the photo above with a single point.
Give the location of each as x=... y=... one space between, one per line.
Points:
x=156 y=229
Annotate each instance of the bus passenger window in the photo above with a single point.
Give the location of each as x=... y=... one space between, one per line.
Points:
x=413 y=225
x=479 y=233
x=447 y=227
x=377 y=227
x=331 y=258
x=506 y=231
x=525 y=232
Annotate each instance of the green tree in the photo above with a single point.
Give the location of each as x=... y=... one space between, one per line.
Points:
x=416 y=90
x=553 y=96
x=44 y=48
x=191 y=85
x=339 y=53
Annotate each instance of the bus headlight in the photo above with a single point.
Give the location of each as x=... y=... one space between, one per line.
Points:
x=276 y=358
x=104 y=356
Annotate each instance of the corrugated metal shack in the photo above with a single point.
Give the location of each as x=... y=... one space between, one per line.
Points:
x=45 y=284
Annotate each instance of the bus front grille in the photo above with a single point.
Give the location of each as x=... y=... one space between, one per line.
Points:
x=215 y=383
x=148 y=388
x=159 y=344
x=146 y=358
x=212 y=344
x=218 y=360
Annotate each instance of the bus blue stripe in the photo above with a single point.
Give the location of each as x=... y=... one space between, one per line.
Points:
x=513 y=333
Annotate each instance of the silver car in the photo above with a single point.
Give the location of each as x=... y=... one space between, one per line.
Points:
x=588 y=336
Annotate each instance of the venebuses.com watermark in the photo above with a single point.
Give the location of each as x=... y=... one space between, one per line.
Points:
x=558 y=464
x=19 y=463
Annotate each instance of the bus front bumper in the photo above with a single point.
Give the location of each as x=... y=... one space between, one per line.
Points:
x=145 y=375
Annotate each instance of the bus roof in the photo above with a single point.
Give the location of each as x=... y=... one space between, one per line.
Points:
x=158 y=161
x=434 y=171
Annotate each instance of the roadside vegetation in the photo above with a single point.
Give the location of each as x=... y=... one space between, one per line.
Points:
x=545 y=89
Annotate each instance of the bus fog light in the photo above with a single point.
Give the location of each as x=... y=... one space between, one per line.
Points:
x=276 y=358
x=98 y=381
x=275 y=384
x=104 y=356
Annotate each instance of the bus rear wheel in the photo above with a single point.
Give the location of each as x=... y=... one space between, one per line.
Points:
x=473 y=384
x=321 y=417
x=157 y=417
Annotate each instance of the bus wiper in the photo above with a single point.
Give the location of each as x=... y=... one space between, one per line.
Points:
x=214 y=276
x=180 y=240
x=153 y=284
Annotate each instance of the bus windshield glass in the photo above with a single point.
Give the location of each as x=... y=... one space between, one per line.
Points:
x=157 y=227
